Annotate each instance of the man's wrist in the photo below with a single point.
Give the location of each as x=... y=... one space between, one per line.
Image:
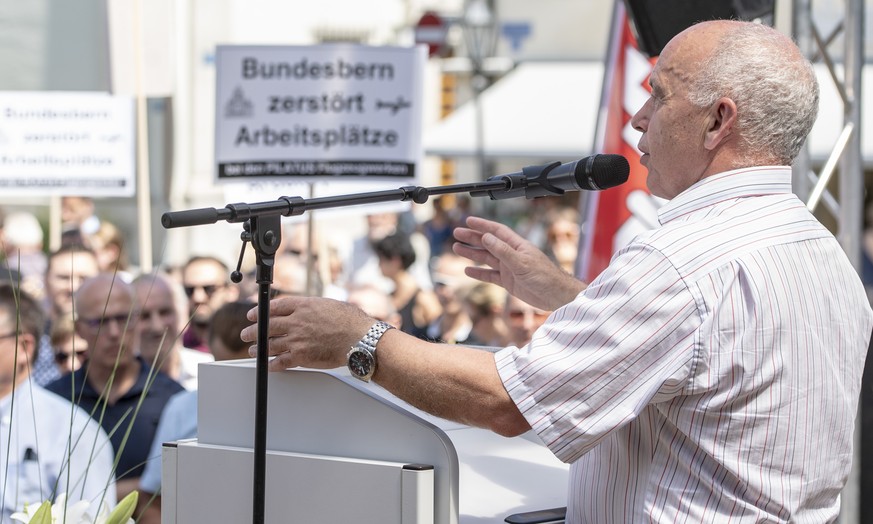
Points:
x=361 y=358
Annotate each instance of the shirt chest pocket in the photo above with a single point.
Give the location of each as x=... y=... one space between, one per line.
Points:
x=24 y=486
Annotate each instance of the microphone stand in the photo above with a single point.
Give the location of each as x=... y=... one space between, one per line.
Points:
x=262 y=227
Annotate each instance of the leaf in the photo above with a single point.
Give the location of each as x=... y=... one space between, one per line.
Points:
x=124 y=510
x=43 y=515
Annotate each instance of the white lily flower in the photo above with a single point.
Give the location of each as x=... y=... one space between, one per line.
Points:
x=61 y=512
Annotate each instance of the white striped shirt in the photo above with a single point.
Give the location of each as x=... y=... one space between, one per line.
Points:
x=712 y=372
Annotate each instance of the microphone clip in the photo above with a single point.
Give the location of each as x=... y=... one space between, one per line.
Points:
x=538 y=177
x=532 y=182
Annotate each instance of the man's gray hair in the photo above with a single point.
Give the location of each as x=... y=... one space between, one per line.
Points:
x=772 y=84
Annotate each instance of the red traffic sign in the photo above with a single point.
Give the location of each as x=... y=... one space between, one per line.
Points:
x=431 y=30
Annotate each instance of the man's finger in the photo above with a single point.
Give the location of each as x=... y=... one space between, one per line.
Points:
x=282 y=362
x=477 y=255
x=483 y=274
x=285 y=306
x=468 y=236
x=501 y=231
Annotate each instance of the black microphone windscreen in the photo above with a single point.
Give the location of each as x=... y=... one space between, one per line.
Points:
x=608 y=170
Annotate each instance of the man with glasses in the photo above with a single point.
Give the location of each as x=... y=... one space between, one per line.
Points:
x=205 y=280
x=118 y=388
x=37 y=428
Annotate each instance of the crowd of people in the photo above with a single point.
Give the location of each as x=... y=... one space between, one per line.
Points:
x=124 y=347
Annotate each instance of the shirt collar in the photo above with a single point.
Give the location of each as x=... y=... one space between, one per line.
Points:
x=729 y=185
x=22 y=396
x=87 y=390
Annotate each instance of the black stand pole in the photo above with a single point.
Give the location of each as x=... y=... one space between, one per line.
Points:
x=266 y=233
x=263 y=229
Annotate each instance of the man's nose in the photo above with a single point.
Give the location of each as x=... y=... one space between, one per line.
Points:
x=113 y=326
x=640 y=120
x=528 y=322
x=151 y=321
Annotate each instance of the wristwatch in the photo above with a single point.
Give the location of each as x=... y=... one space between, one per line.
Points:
x=362 y=356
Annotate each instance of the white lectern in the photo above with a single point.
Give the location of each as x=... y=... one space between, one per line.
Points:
x=340 y=450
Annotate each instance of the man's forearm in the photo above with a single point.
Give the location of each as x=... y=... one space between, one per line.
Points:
x=452 y=382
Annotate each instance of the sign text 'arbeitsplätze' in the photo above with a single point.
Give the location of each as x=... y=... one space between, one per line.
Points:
x=322 y=111
x=66 y=143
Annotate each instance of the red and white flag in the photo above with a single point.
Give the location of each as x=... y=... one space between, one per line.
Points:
x=614 y=216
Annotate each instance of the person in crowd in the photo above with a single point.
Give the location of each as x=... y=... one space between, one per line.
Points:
x=417 y=307
x=291 y=277
x=438 y=228
x=362 y=263
x=522 y=320
x=331 y=269
x=320 y=255
x=107 y=242
x=376 y=304
x=562 y=237
x=712 y=371
x=206 y=282
x=66 y=269
x=161 y=308
x=450 y=284
x=48 y=447
x=78 y=214
x=118 y=388
x=67 y=346
x=179 y=419
x=484 y=304
x=22 y=243
x=295 y=240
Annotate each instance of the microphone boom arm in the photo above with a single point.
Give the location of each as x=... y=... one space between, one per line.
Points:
x=494 y=187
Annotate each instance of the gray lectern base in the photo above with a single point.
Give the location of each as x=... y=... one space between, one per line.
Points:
x=340 y=450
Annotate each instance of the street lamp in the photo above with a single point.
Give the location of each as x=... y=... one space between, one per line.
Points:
x=479 y=25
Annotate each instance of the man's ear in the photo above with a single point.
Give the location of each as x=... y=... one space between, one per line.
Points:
x=722 y=119
x=30 y=345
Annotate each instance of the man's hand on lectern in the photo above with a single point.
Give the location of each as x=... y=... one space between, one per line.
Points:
x=309 y=332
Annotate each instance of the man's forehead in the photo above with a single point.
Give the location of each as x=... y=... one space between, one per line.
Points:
x=96 y=297
x=154 y=299
x=73 y=263
x=204 y=270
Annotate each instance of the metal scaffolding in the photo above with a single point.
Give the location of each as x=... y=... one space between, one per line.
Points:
x=843 y=198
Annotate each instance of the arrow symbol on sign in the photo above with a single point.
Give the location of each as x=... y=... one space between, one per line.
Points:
x=401 y=103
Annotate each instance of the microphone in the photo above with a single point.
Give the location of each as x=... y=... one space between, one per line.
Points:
x=593 y=173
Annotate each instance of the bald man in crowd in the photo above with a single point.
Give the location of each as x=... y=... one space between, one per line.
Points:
x=117 y=387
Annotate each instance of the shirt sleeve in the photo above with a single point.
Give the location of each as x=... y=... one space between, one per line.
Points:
x=625 y=342
x=178 y=421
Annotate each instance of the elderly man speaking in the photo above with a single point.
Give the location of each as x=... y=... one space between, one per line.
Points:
x=712 y=372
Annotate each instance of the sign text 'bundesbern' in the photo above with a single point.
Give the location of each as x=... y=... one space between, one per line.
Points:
x=318 y=111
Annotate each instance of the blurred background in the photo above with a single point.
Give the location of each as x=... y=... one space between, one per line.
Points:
x=538 y=67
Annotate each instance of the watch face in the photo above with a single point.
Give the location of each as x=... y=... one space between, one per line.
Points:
x=360 y=363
